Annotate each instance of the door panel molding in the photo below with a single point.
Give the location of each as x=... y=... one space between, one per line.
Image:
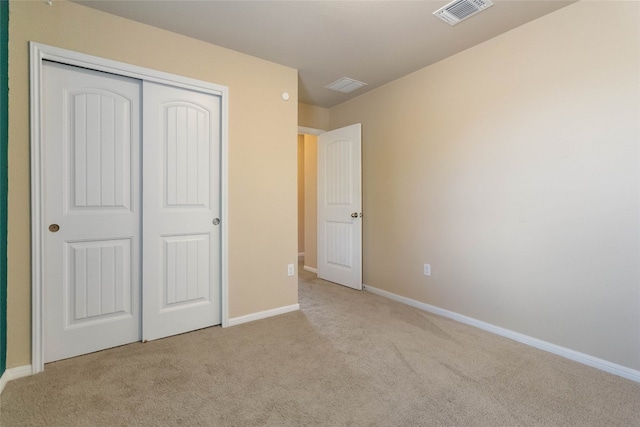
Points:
x=40 y=52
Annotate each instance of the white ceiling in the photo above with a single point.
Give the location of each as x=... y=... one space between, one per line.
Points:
x=371 y=41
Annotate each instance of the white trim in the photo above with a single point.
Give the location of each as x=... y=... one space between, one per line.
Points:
x=263 y=314
x=224 y=202
x=14 y=374
x=310 y=131
x=585 y=359
x=40 y=52
x=311 y=269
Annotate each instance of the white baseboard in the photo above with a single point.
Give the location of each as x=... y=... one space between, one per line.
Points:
x=585 y=359
x=14 y=374
x=311 y=269
x=263 y=314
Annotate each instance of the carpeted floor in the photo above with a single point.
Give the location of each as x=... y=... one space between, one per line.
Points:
x=347 y=358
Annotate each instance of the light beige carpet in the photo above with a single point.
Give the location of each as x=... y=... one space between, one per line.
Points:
x=347 y=358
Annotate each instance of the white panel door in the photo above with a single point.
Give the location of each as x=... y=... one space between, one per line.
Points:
x=181 y=210
x=340 y=206
x=91 y=209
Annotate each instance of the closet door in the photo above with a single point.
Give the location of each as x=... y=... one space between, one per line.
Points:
x=91 y=210
x=181 y=210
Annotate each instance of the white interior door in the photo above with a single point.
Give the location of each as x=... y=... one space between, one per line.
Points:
x=181 y=210
x=91 y=210
x=102 y=229
x=340 y=206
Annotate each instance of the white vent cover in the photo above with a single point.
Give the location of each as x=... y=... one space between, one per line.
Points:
x=345 y=85
x=459 y=10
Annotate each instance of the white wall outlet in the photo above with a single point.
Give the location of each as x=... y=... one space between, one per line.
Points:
x=290 y=270
x=427 y=269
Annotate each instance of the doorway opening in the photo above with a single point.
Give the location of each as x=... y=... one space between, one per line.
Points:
x=307 y=199
x=330 y=216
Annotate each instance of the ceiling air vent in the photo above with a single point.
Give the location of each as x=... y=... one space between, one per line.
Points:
x=345 y=85
x=459 y=10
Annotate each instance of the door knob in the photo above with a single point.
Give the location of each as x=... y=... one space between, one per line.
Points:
x=54 y=227
x=216 y=221
x=354 y=215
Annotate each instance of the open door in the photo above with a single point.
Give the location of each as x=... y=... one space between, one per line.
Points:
x=340 y=206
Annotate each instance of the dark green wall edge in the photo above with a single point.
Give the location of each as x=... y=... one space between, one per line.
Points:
x=4 y=142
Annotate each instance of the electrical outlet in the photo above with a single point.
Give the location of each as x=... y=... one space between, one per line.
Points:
x=427 y=269
x=290 y=270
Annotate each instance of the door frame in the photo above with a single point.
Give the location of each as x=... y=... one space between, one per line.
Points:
x=39 y=52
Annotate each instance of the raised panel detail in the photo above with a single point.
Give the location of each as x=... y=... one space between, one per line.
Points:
x=339 y=244
x=99 y=147
x=338 y=174
x=98 y=284
x=187 y=155
x=186 y=269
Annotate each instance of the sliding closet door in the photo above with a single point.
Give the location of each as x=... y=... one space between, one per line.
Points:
x=91 y=210
x=181 y=210
x=131 y=210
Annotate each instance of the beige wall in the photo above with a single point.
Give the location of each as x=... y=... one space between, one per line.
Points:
x=262 y=155
x=311 y=200
x=300 y=194
x=513 y=169
x=313 y=117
